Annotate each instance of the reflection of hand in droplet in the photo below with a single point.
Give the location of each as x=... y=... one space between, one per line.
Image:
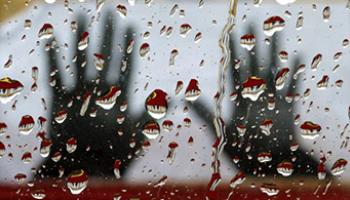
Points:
x=90 y=111
x=262 y=125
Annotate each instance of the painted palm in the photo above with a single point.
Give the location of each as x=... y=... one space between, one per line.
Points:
x=112 y=134
x=249 y=115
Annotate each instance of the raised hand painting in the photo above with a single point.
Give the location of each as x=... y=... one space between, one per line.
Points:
x=261 y=132
x=91 y=127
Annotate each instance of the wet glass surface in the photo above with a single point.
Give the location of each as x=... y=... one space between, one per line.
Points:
x=151 y=99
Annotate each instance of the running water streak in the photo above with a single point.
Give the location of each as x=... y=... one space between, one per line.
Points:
x=219 y=125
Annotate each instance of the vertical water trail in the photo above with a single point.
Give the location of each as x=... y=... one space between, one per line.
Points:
x=218 y=121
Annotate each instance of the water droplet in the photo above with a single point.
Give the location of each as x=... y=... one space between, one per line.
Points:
x=300 y=69
x=146 y=144
x=46 y=32
x=168 y=125
x=83 y=41
x=321 y=171
x=71 y=145
x=316 y=62
x=3 y=128
x=144 y=49
x=173 y=55
x=198 y=37
x=108 y=100
x=248 y=41
x=270 y=189
x=99 y=61
x=179 y=86
x=162 y=30
x=34 y=87
x=26 y=125
x=20 y=178
x=192 y=91
x=38 y=194
x=27 y=157
x=45 y=146
x=151 y=129
x=253 y=87
x=257 y=3
x=241 y=128
x=116 y=166
x=233 y=96
x=300 y=21
x=236 y=159
x=339 y=83
x=2 y=149
x=56 y=156
x=285 y=168
x=266 y=126
x=122 y=10
x=326 y=13
x=86 y=102
x=131 y=44
x=310 y=130
x=156 y=104
x=8 y=63
x=148 y=2
x=190 y=140
x=281 y=78
x=173 y=10
x=238 y=179
x=345 y=43
x=61 y=116
x=214 y=181
x=9 y=89
x=294 y=147
x=171 y=153
x=99 y=5
x=161 y=181
x=185 y=29
x=337 y=56
x=117 y=197
x=77 y=181
x=323 y=83
x=339 y=167
x=124 y=106
x=283 y=55
x=289 y=97
x=182 y=13
x=264 y=157
x=201 y=3
x=27 y=23
x=187 y=122
x=93 y=112
x=169 y=31
x=272 y=25
x=74 y=26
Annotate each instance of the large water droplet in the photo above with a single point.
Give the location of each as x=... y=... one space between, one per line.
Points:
x=273 y=25
x=77 y=181
x=9 y=89
x=192 y=91
x=253 y=87
x=156 y=104
x=151 y=129
x=310 y=130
